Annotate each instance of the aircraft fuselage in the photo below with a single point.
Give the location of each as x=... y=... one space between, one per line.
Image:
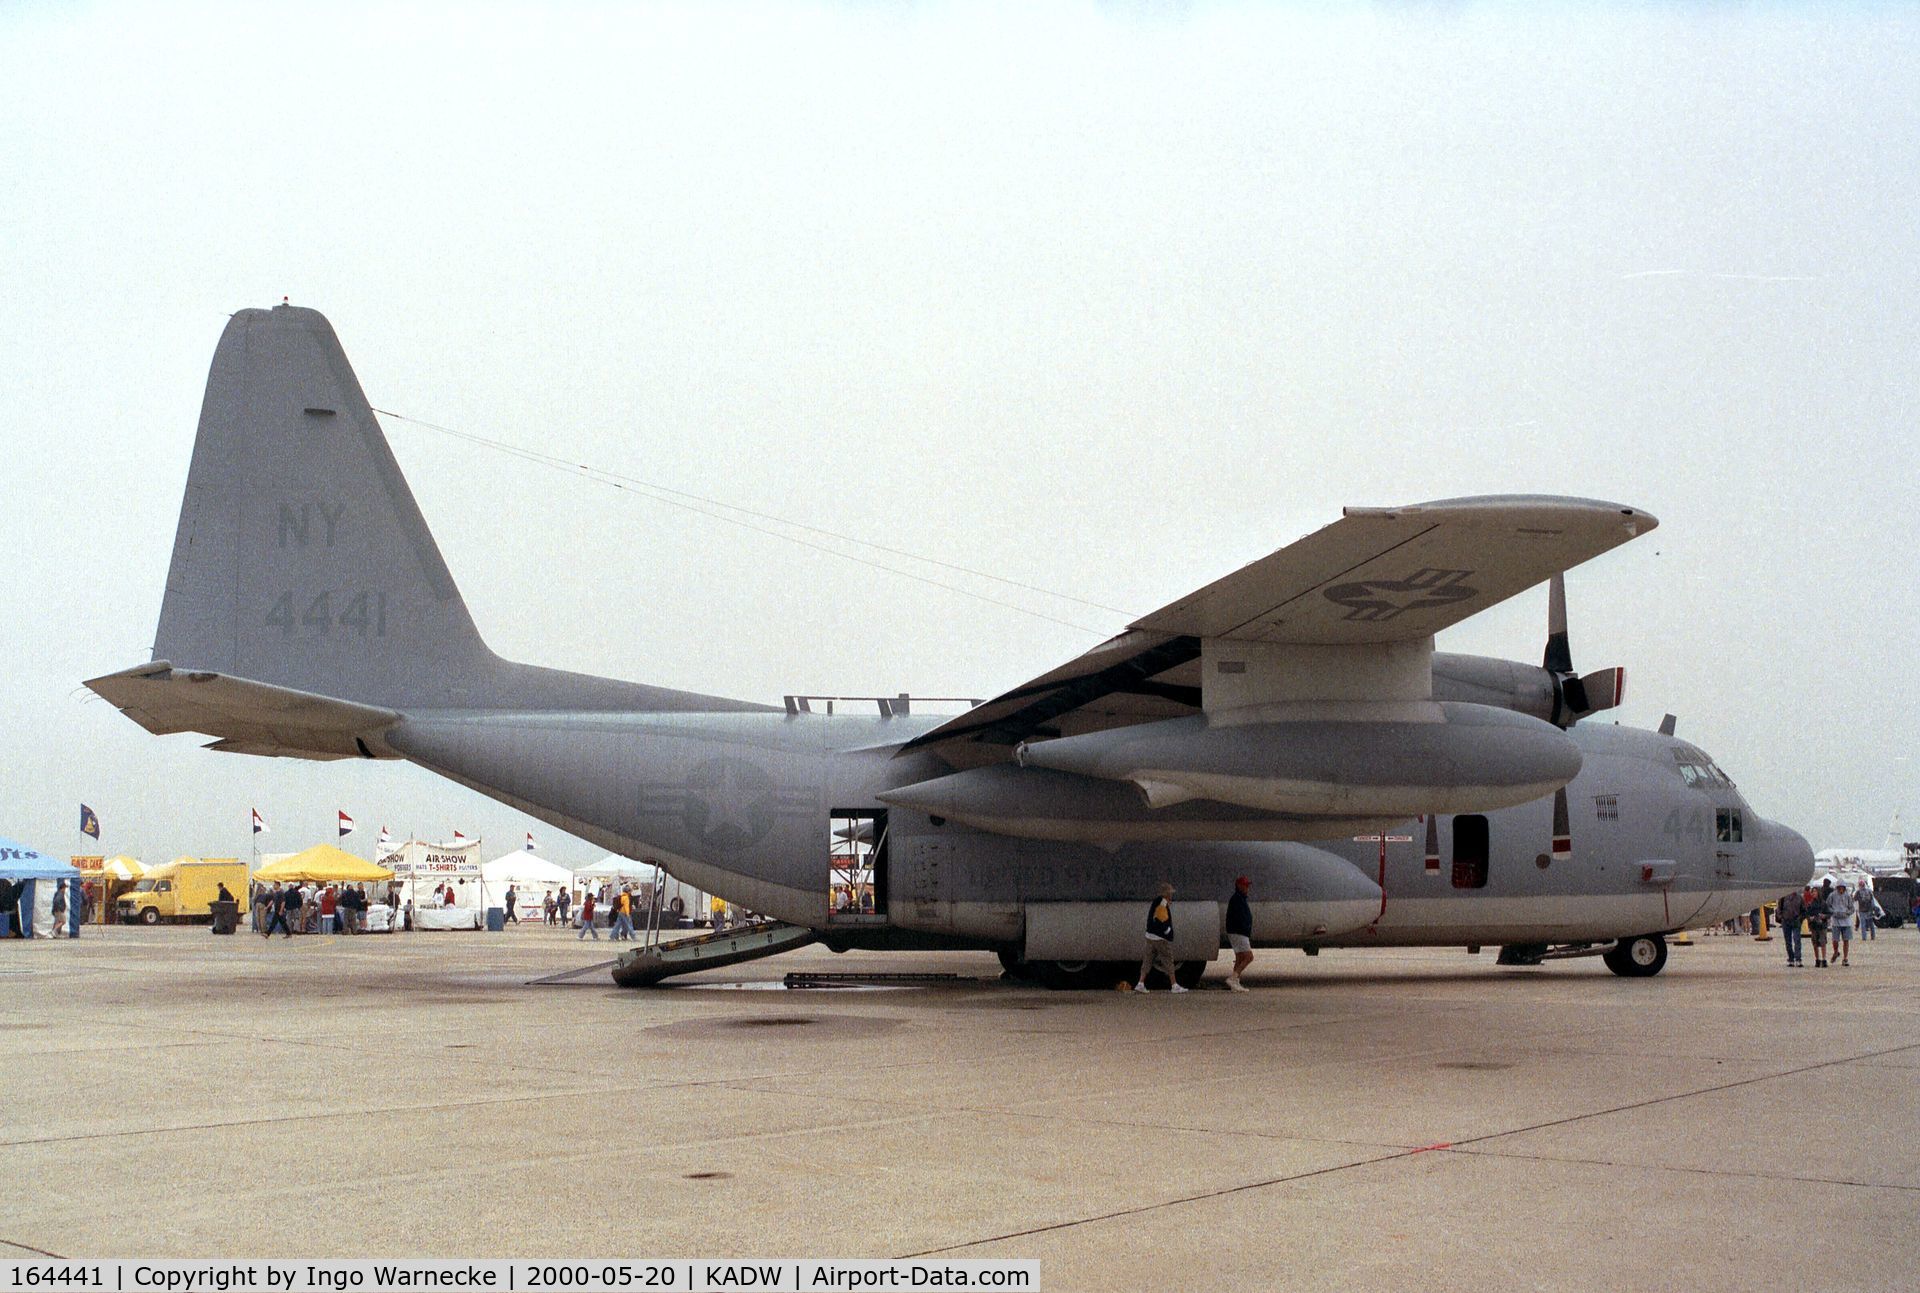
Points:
x=739 y=804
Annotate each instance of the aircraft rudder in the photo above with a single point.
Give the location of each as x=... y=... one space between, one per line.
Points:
x=301 y=558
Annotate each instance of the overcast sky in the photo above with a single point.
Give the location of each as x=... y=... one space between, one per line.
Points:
x=1105 y=299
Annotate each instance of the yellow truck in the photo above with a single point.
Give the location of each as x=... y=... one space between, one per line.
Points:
x=183 y=889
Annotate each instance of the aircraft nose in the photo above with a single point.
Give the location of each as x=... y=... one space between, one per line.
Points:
x=1785 y=857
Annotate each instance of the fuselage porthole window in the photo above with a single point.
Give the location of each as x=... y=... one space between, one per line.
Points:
x=1471 y=847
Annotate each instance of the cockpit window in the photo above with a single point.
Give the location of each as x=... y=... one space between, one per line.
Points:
x=1697 y=770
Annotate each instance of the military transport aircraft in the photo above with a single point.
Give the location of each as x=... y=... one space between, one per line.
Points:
x=1290 y=722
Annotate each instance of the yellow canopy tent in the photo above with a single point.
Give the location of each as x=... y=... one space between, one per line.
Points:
x=122 y=867
x=322 y=862
x=105 y=879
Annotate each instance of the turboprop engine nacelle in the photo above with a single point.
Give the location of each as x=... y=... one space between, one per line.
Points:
x=1329 y=759
x=1487 y=680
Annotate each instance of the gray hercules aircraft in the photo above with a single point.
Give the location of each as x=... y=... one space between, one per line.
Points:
x=1291 y=723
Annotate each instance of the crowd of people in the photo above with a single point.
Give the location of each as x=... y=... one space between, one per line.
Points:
x=1830 y=917
x=619 y=903
x=555 y=908
x=310 y=907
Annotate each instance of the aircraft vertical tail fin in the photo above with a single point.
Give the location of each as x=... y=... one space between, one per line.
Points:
x=301 y=558
x=303 y=569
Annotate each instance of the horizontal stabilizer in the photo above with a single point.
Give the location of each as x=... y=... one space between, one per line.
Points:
x=248 y=717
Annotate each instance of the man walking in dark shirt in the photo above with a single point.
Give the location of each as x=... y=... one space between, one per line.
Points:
x=1239 y=932
x=1789 y=913
x=288 y=914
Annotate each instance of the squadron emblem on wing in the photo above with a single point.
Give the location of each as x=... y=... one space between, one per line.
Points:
x=1373 y=600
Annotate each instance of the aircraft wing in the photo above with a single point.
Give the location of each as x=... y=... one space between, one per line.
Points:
x=1377 y=575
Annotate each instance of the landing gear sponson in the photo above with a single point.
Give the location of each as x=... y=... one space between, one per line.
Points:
x=1639 y=957
x=1071 y=975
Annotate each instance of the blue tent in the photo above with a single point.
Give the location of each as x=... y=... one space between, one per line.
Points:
x=30 y=868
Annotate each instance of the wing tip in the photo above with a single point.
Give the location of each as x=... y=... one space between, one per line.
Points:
x=1507 y=508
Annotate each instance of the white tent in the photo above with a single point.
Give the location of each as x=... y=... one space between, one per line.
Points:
x=676 y=896
x=424 y=870
x=532 y=876
x=615 y=867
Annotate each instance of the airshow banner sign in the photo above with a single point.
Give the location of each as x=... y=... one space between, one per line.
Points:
x=416 y=860
x=428 y=870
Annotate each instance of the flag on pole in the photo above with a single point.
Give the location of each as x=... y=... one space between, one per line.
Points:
x=529 y=841
x=457 y=835
x=90 y=823
x=385 y=845
x=346 y=825
x=259 y=822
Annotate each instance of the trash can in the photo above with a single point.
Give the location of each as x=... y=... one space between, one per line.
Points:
x=226 y=917
x=496 y=919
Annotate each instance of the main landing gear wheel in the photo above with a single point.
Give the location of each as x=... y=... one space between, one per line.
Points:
x=1068 y=975
x=1637 y=958
x=1084 y=975
x=1189 y=973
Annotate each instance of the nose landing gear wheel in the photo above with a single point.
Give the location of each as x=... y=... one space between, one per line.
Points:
x=1637 y=958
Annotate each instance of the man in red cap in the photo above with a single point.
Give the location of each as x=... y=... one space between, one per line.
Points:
x=1239 y=932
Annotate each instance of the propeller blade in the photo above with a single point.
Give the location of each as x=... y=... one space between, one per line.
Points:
x=1562 y=827
x=1602 y=690
x=1574 y=696
x=1559 y=654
